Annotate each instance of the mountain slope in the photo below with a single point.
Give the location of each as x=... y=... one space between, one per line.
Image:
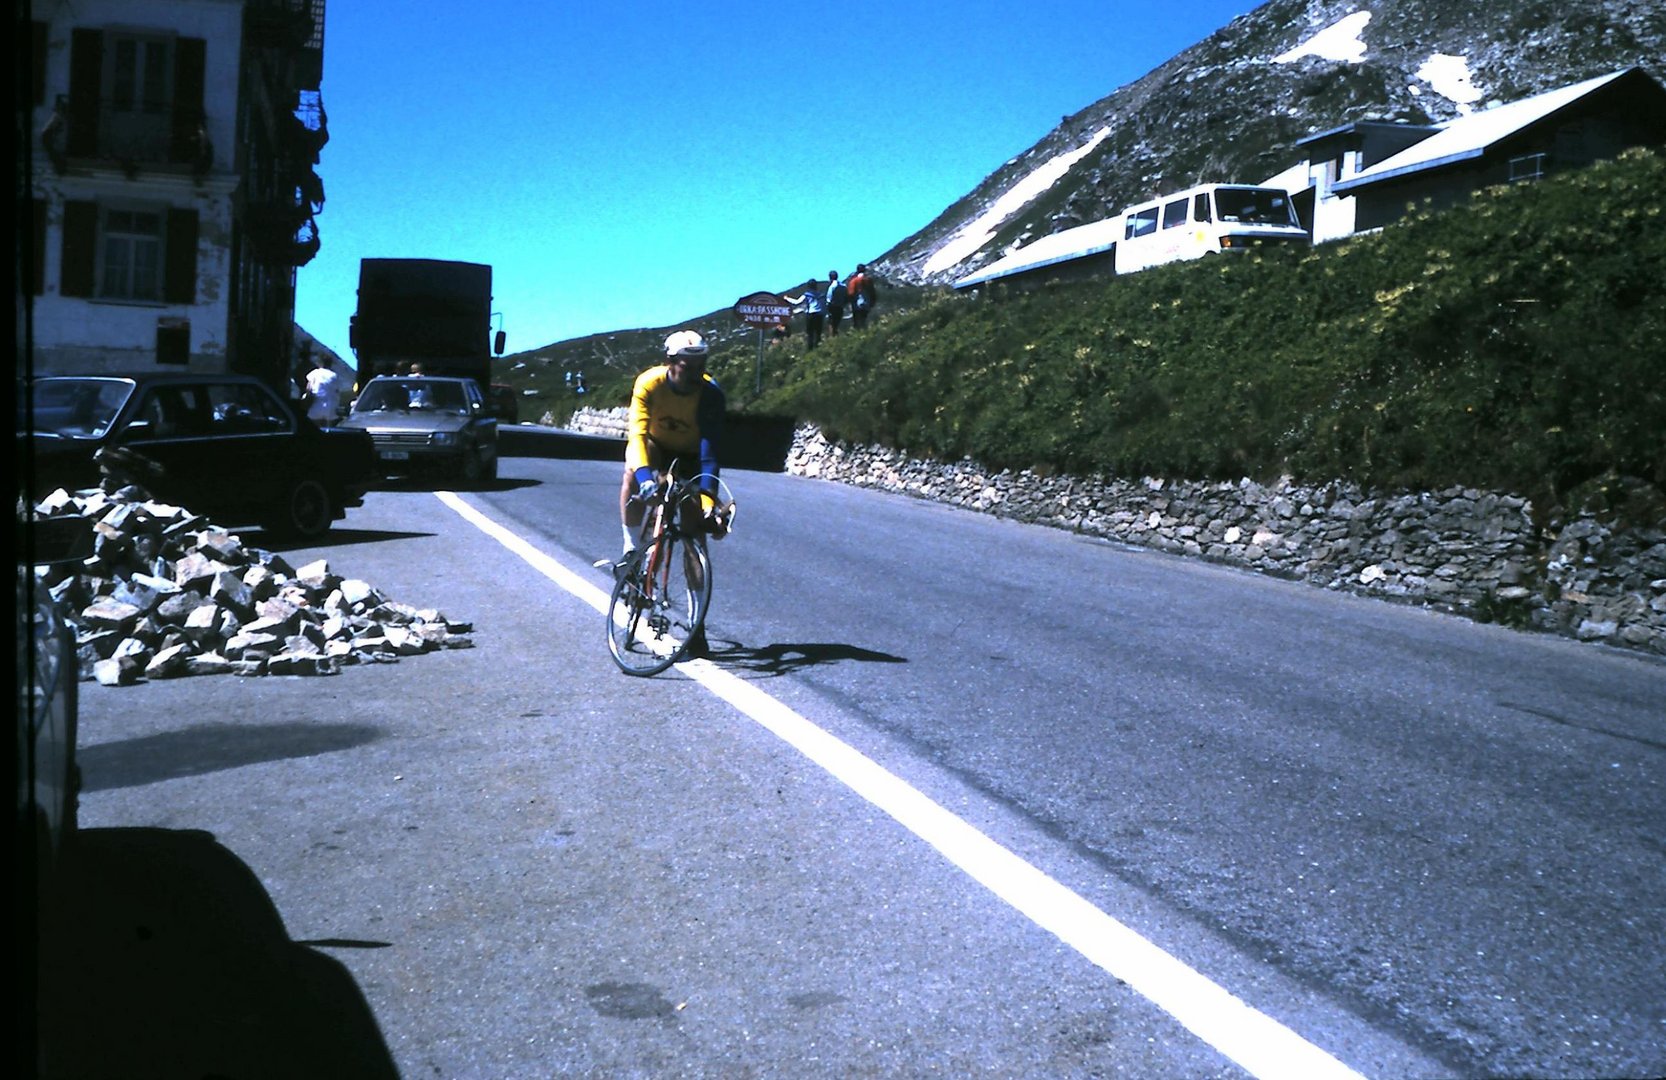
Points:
x=1233 y=107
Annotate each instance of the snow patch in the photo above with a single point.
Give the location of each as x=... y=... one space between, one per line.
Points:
x=1338 y=41
x=1449 y=77
x=973 y=236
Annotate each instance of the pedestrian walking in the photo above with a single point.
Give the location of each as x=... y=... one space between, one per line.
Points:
x=861 y=291
x=836 y=297
x=815 y=306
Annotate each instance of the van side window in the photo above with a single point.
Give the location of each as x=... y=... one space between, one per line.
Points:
x=1200 y=207
x=1142 y=222
x=1174 y=213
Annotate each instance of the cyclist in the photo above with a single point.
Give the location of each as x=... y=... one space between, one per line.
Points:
x=676 y=413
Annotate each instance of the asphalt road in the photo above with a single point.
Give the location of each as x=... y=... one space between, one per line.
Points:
x=1413 y=845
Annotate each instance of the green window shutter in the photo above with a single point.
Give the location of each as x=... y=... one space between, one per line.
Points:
x=37 y=260
x=86 y=87
x=180 y=284
x=190 y=67
x=80 y=249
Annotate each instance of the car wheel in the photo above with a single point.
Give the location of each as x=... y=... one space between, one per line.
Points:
x=472 y=469
x=307 y=511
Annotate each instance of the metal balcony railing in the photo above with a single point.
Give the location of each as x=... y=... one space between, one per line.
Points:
x=170 y=139
x=292 y=27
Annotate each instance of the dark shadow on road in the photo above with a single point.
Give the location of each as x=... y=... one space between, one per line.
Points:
x=749 y=442
x=505 y=483
x=418 y=483
x=210 y=748
x=1593 y=729
x=170 y=960
x=532 y=441
x=259 y=538
x=784 y=659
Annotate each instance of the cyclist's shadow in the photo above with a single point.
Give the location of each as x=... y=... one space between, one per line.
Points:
x=785 y=658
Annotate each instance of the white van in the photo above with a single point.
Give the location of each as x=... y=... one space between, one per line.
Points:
x=1207 y=219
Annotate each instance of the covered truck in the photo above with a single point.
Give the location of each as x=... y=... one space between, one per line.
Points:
x=427 y=312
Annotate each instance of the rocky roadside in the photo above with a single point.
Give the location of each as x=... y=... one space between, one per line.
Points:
x=1588 y=572
x=166 y=593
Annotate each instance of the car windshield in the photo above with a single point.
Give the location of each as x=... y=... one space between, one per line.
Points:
x=1254 y=206
x=417 y=394
x=76 y=408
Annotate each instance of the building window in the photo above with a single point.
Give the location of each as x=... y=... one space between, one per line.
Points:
x=138 y=78
x=131 y=255
x=1527 y=167
x=138 y=82
x=136 y=98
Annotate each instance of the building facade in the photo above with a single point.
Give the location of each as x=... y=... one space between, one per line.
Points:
x=1364 y=176
x=173 y=151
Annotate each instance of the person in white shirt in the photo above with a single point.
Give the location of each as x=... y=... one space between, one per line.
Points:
x=323 y=393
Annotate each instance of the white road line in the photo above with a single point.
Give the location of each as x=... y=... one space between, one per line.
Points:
x=1255 y=1041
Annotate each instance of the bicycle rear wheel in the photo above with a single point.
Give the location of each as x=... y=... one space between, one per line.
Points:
x=659 y=605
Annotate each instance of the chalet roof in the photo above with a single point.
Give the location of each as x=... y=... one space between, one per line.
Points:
x=1470 y=136
x=1084 y=240
x=1359 y=127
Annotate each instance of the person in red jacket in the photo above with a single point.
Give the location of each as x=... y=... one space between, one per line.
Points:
x=861 y=290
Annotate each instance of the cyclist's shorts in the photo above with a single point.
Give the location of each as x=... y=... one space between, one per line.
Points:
x=684 y=465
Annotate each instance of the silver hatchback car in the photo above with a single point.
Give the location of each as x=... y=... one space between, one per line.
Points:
x=425 y=425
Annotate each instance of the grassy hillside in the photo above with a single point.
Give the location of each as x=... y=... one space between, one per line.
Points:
x=1518 y=342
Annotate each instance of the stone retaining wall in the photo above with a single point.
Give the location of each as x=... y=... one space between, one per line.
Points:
x=595 y=422
x=1474 y=552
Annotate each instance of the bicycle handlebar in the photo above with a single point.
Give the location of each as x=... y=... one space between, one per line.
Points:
x=669 y=491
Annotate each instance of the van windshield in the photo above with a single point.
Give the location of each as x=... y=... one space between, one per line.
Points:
x=1254 y=206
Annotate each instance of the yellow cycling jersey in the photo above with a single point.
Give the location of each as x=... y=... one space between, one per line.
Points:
x=682 y=424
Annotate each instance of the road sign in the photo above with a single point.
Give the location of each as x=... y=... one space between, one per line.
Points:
x=762 y=309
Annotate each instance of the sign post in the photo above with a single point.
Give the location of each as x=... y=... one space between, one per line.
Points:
x=762 y=309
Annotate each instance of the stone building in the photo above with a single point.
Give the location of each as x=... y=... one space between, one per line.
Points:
x=171 y=153
x=1363 y=176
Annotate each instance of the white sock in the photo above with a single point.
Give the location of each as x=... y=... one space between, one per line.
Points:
x=630 y=538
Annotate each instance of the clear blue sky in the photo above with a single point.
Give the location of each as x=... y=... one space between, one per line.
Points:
x=636 y=164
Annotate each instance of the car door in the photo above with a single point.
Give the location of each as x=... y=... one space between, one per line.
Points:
x=226 y=448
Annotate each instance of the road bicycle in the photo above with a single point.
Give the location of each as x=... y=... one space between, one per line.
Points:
x=663 y=589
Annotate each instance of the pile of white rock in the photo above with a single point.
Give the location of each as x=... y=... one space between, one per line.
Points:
x=166 y=593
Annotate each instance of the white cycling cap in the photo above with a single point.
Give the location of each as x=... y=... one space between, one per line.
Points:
x=685 y=342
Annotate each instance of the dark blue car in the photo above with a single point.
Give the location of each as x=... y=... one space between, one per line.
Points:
x=224 y=446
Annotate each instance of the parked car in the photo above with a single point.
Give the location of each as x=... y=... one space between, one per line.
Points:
x=47 y=777
x=224 y=446
x=428 y=425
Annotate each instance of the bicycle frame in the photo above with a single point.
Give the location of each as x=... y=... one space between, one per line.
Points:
x=659 y=603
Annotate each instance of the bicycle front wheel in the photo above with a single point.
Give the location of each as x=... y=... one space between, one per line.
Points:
x=659 y=606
